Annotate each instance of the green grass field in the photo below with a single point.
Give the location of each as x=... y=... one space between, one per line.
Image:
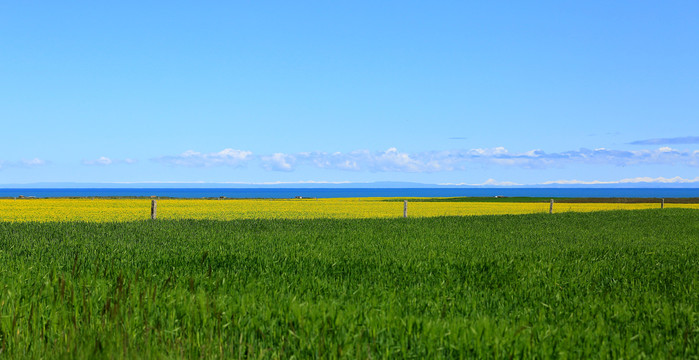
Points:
x=618 y=284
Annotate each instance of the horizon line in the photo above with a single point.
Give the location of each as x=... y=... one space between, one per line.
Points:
x=490 y=183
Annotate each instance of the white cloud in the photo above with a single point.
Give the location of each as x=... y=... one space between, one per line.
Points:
x=390 y=160
x=278 y=161
x=32 y=162
x=489 y=182
x=227 y=157
x=292 y=182
x=601 y=156
x=24 y=163
x=636 y=180
x=393 y=160
x=104 y=161
x=658 y=180
x=231 y=182
x=665 y=141
x=101 y=161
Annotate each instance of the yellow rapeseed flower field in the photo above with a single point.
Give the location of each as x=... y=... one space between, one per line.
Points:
x=102 y=210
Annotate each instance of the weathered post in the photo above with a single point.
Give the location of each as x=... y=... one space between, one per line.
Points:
x=662 y=203
x=551 y=207
x=153 y=209
x=405 y=208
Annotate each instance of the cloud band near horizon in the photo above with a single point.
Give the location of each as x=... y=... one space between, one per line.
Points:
x=24 y=163
x=104 y=161
x=668 y=141
x=393 y=160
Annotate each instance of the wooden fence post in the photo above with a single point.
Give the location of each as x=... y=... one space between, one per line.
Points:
x=551 y=207
x=405 y=208
x=662 y=203
x=153 y=209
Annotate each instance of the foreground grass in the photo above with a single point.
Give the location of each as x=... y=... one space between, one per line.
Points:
x=580 y=285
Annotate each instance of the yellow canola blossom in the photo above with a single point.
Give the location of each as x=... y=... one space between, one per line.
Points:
x=106 y=210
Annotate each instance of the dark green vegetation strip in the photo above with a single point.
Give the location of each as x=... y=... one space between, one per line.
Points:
x=559 y=200
x=581 y=285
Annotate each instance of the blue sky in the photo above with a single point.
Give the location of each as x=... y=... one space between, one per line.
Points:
x=361 y=91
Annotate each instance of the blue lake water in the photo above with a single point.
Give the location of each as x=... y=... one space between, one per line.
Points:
x=279 y=193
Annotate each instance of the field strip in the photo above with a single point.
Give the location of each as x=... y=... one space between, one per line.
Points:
x=107 y=210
